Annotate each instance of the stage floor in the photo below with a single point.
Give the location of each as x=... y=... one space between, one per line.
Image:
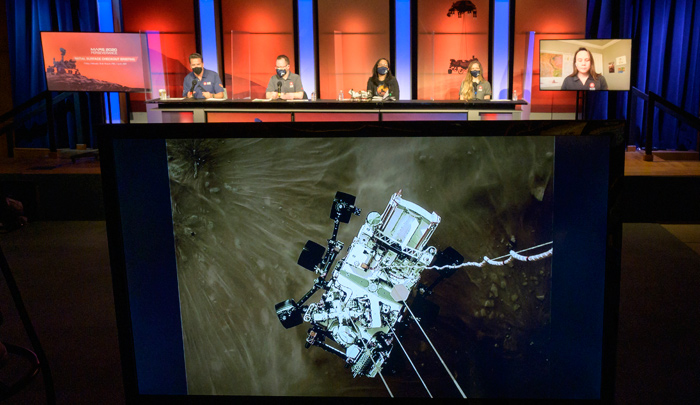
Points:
x=49 y=165
x=60 y=189
x=63 y=273
x=664 y=164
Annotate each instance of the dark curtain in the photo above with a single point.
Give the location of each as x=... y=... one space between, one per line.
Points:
x=25 y=20
x=665 y=60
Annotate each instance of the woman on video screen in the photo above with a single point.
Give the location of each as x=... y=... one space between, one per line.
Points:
x=584 y=76
x=474 y=86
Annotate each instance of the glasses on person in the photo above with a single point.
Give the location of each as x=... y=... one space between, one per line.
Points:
x=281 y=67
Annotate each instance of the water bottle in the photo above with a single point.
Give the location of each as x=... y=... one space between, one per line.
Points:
x=340 y=96
x=515 y=95
x=313 y=96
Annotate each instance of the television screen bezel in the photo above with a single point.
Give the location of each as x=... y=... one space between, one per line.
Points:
x=630 y=62
x=144 y=55
x=109 y=133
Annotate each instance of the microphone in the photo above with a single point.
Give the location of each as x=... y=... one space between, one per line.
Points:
x=194 y=84
x=279 y=90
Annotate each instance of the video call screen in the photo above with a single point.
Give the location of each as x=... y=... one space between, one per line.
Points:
x=95 y=61
x=605 y=64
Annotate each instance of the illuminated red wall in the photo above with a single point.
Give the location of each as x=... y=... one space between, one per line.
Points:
x=352 y=36
x=173 y=39
x=562 y=20
x=255 y=32
x=441 y=38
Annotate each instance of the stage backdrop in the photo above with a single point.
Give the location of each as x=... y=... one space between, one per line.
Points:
x=255 y=33
x=562 y=20
x=352 y=36
x=446 y=41
x=170 y=27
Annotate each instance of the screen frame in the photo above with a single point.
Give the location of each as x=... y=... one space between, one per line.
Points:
x=610 y=130
x=146 y=64
x=630 y=62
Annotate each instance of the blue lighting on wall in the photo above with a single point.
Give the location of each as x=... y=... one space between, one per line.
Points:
x=527 y=84
x=307 y=59
x=501 y=34
x=402 y=64
x=105 y=20
x=105 y=17
x=207 y=26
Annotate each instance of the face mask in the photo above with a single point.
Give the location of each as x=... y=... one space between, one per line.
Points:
x=475 y=73
x=281 y=72
x=197 y=70
x=382 y=70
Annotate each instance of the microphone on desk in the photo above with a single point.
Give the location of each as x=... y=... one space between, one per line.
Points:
x=279 y=90
x=194 y=84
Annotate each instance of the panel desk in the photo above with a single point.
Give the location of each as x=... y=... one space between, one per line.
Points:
x=182 y=111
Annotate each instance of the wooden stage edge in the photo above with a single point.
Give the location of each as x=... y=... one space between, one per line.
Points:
x=663 y=164
x=665 y=190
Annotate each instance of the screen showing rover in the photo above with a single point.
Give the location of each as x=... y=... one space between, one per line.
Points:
x=329 y=219
x=362 y=263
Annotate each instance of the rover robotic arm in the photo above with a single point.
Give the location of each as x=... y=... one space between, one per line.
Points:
x=365 y=292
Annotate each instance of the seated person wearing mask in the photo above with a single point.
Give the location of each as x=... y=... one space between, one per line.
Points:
x=382 y=83
x=474 y=86
x=285 y=84
x=201 y=83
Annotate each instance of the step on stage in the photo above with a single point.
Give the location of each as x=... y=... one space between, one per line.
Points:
x=70 y=188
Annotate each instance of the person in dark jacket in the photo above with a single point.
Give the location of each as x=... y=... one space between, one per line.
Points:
x=382 y=83
x=584 y=76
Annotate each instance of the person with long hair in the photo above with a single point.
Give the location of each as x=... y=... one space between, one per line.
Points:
x=584 y=76
x=474 y=86
x=382 y=83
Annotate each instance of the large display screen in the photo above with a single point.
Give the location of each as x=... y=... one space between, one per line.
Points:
x=371 y=260
x=95 y=61
x=585 y=64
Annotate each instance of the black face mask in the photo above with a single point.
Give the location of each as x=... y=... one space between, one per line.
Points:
x=197 y=70
x=475 y=73
x=382 y=70
x=281 y=72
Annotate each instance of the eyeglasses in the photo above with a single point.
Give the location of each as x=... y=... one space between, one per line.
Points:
x=281 y=67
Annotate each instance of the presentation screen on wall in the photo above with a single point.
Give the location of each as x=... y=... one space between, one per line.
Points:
x=585 y=64
x=95 y=61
